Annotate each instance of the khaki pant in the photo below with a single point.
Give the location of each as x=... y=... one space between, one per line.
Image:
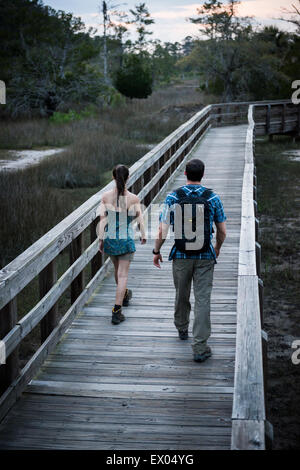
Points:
x=201 y=272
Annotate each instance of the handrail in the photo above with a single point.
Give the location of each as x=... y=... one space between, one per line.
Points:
x=248 y=415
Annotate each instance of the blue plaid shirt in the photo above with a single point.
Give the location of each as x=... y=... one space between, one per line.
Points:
x=217 y=214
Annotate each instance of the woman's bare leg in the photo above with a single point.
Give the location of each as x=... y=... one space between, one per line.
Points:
x=116 y=266
x=123 y=269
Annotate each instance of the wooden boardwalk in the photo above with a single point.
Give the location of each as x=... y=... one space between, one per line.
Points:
x=135 y=385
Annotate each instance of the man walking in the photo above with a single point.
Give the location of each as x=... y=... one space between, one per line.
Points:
x=191 y=264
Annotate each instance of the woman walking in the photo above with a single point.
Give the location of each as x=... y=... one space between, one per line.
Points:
x=118 y=209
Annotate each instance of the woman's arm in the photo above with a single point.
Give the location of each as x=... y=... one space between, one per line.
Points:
x=140 y=221
x=102 y=224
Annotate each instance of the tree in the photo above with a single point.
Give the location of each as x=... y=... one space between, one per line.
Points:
x=164 y=58
x=295 y=18
x=46 y=60
x=119 y=22
x=187 y=45
x=105 y=21
x=218 y=20
x=142 y=19
x=134 y=79
x=222 y=54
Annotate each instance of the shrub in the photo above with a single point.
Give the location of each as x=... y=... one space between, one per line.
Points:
x=60 y=118
x=134 y=79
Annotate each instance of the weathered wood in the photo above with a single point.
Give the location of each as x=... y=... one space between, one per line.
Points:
x=248 y=414
x=269 y=435
x=248 y=400
x=47 y=278
x=97 y=260
x=264 y=341
x=255 y=208
x=261 y=300
x=256 y=228
x=258 y=258
x=9 y=370
x=248 y=435
x=37 y=313
x=254 y=193
x=17 y=386
x=76 y=249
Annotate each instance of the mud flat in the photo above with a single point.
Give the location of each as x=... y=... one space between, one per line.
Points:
x=11 y=160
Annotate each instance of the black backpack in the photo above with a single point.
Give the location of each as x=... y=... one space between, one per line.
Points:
x=188 y=211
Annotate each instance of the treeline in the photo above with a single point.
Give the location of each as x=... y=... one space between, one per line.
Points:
x=50 y=61
x=239 y=62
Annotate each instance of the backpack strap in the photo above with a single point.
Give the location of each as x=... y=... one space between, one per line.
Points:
x=207 y=193
x=181 y=193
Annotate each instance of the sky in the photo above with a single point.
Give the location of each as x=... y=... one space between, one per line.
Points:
x=171 y=15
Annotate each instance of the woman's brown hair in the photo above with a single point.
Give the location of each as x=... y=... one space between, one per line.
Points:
x=120 y=173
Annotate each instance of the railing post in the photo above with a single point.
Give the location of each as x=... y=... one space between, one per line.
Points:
x=10 y=370
x=47 y=278
x=256 y=228
x=264 y=340
x=258 y=258
x=219 y=119
x=255 y=208
x=261 y=300
x=76 y=248
x=254 y=193
x=96 y=262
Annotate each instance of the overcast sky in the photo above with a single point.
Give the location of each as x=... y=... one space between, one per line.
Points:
x=170 y=15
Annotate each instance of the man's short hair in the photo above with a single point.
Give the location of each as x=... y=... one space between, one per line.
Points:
x=195 y=169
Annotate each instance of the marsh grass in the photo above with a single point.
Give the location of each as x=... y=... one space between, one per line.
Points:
x=279 y=211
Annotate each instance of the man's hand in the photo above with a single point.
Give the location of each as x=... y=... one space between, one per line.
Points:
x=220 y=236
x=101 y=246
x=157 y=259
x=217 y=250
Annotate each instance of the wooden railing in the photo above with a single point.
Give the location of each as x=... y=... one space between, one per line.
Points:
x=250 y=428
x=271 y=117
x=148 y=176
x=277 y=118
